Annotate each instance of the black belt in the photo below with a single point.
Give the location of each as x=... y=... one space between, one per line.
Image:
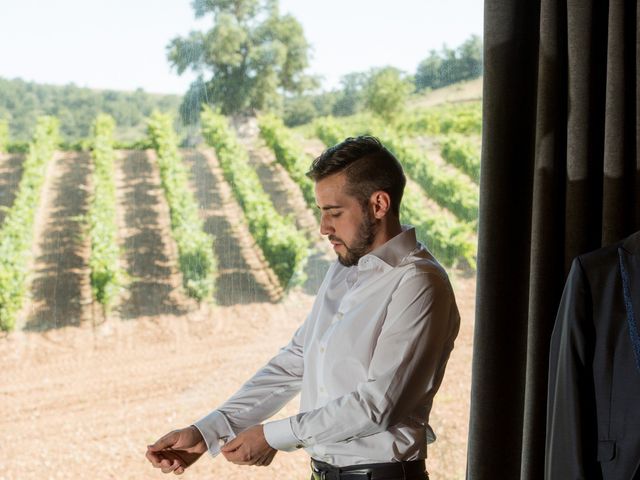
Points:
x=371 y=471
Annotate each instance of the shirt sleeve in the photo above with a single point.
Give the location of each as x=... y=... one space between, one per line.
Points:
x=406 y=368
x=259 y=398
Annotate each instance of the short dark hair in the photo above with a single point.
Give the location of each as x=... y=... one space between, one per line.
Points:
x=368 y=165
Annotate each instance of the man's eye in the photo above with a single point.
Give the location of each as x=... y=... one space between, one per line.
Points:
x=336 y=215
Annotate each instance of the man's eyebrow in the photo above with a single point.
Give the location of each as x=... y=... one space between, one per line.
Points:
x=329 y=207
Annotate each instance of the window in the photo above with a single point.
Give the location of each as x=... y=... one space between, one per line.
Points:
x=138 y=285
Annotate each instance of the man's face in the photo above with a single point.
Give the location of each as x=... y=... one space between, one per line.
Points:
x=349 y=228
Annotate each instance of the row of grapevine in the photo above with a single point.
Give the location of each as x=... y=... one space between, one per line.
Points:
x=283 y=246
x=463 y=154
x=16 y=233
x=463 y=118
x=107 y=277
x=4 y=135
x=448 y=239
x=288 y=154
x=449 y=189
x=196 y=260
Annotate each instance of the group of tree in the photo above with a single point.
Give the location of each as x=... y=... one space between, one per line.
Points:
x=376 y=89
x=254 y=58
x=384 y=90
x=22 y=102
x=449 y=66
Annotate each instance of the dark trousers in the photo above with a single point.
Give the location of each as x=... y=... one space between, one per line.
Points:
x=424 y=476
x=372 y=471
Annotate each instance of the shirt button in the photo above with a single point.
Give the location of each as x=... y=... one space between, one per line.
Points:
x=321 y=349
x=339 y=315
x=322 y=389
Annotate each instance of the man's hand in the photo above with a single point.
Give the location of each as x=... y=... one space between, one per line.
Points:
x=177 y=450
x=249 y=448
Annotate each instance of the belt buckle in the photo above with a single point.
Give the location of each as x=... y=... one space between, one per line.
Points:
x=363 y=474
x=318 y=474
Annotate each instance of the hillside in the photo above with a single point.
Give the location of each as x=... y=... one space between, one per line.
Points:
x=76 y=107
x=467 y=91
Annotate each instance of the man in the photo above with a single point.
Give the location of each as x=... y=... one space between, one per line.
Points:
x=370 y=356
x=593 y=419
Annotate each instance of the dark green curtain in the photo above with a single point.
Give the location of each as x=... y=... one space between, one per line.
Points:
x=560 y=177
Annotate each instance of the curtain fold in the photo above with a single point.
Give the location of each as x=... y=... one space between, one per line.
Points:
x=560 y=177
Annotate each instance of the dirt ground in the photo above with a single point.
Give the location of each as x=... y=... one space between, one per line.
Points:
x=83 y=402
x=81 y=397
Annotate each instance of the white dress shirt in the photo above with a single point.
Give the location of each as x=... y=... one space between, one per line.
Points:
x=368 y=361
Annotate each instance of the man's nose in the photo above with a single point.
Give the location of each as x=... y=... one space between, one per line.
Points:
x=325 y=226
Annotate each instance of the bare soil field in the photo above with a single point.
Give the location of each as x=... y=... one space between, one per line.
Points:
x=83 y=402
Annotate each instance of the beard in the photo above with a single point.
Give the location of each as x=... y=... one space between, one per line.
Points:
x=361 y=244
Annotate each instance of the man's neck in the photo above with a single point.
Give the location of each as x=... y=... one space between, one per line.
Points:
x=388 y=229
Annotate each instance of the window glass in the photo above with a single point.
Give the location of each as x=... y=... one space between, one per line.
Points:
x=154 y=255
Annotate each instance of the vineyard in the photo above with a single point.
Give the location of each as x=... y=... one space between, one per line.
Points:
x=441 y=200
x=94 y=237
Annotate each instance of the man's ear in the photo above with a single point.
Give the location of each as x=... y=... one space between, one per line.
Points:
x=380 y=203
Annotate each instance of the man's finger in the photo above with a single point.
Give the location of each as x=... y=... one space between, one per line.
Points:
x=232 y=445
x=163 y=442
x=169 y=467
x=262 y=460
x=165 y=465
x=266 y=458
x=231 y=456
x=154 y=458
x=151 y=457
x=238 y=456
x=269 y=459
x=272 y=455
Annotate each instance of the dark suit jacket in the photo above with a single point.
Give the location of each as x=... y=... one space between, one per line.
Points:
x=593 y=416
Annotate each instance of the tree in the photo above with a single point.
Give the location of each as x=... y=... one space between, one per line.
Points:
x=450 y=66
x=351 y=96
x=299 y=110
x=470 y=53
x=76 y=108
x=428 y=73
x=253 y=54
x=386 y=92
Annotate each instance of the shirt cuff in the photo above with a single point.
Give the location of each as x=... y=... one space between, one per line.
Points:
x=279 y=435
x=215 y=430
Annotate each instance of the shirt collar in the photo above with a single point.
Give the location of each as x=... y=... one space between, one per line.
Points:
x=395 y=250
